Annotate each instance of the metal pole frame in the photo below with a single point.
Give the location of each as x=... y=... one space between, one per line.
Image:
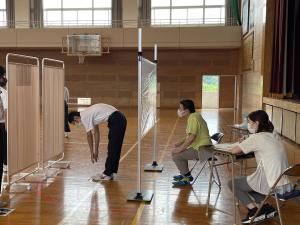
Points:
x=43 y=102
x=9 y=183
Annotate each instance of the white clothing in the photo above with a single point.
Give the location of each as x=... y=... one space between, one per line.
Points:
x=4 y=99
x=271 y=158
x=95 y=115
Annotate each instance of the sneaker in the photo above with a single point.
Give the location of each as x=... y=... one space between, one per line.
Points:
x=269 y=211
x=180 y=177
x=66 y=135
x=177 y=177
x=4 y=168
x=185 y=181
x=261 y=216
x=102 y=177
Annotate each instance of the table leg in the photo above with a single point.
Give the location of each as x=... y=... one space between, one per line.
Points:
x=233 y=188
x=210 y=184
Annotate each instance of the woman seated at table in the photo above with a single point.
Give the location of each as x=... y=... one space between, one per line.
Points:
x=271 y=158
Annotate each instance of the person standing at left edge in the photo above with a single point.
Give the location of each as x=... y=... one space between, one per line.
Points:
x=91 y=118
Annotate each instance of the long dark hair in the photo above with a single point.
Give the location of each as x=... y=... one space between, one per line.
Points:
x=265 y=125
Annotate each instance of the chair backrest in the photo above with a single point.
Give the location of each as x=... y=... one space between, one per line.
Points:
x=217 y=137
x=293 y=171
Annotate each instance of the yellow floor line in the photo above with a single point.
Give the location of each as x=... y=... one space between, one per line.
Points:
x=127 y=153
x=142 y=204
x=138 y=214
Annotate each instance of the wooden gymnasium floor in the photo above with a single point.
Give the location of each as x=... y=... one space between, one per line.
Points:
x=71 y=198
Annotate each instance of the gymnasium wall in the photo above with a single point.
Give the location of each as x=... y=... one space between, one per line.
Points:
x=112 y=78
x=252 y=61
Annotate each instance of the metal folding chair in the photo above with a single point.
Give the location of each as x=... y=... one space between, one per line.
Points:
x=217 y=137
x=293 y=171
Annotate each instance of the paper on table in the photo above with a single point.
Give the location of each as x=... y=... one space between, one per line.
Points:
x=226 y=146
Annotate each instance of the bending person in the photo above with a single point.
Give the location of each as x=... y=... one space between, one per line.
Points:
x=91 y=118
x=193 y=145
x=271 y=159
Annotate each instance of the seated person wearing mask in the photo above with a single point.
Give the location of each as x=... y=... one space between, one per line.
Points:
x=271 y=158
x=193 y=145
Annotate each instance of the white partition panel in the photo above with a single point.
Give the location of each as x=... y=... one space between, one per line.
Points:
x=23 y=116
x=53 y=111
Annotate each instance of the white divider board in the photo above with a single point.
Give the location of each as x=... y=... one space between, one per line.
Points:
x=23 y=117
x=53 y=112
x=148 y=95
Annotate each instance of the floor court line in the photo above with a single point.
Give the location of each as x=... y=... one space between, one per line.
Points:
x=142 y=204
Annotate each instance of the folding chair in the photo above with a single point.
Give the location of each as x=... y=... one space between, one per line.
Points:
x=217 y=137
x=293 y=171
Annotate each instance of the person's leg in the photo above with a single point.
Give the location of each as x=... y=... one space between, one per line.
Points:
x=117 y=127
x=67 y=127
x=181 y=160
x=243 y=192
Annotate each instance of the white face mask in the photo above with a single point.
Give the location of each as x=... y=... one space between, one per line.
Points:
x=181 y=113
x=250 y=129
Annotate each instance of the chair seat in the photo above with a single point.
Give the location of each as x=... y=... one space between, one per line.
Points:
x=289 y=195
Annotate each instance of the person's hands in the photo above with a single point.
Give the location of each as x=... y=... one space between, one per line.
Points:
x=176 y=150
x=177 y=144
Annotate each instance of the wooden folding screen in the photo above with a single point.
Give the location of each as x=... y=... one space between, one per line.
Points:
x=23 y=115
x=53 y=110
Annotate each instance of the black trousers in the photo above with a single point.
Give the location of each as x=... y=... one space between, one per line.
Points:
x=3 y=150
x=117 y=126
x=67 y=127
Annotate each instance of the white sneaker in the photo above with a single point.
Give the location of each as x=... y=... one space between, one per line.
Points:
x=102 y=177
x=66 y=135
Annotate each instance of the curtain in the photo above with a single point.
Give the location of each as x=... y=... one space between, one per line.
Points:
x=233 y=7
x=10 y=13
x=285 y=80
x=36 y=13
x=116 y=14
x=278 y=56
x=144 y=13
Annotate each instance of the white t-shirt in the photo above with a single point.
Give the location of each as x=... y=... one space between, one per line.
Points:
x=66 y=94
x=95 y=115
x=4 y=98
x=271 y=159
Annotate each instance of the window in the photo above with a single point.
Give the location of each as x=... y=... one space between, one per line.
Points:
x=77 y=12
x=188 y=12
x=3 y=20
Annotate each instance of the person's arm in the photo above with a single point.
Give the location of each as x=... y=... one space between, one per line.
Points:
x=97 y=141
x=188 y=141
x=89 y=136
x=236 y=150
x=179 y=143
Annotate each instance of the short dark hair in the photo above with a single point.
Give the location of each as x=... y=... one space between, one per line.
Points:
x=188 y=104
x=3 y=81
x=72 y=115
x=2 y=71
x=265 y=125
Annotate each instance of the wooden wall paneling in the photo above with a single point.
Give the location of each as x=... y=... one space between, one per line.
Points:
x=269 y=111
x=289 y=124
x=298 y=129
x=226 y=91
x=23 y=119
x=277 y=119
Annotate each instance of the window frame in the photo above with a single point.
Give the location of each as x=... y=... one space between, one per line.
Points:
x=78 y=23
x=203 y=19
